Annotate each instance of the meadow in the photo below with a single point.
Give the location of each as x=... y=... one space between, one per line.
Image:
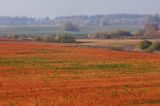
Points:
x=50 y=29
x=49 y=74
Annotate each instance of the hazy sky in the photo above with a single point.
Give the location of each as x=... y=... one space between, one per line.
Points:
x=52 y=8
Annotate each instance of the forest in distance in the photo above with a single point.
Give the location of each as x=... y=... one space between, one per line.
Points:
x=83 y=20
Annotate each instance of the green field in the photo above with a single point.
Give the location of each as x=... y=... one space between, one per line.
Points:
x=43 y=29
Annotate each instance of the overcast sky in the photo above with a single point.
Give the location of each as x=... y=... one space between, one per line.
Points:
x=53 y=8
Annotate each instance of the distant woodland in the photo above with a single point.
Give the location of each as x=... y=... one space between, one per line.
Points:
x=84 y=20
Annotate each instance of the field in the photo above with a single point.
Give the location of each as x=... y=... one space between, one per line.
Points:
x=110 y=43
x=49 y=29
x=113 y=44
x=46 y=74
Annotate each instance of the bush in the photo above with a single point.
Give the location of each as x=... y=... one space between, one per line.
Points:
x=154 y=47
x=13 y=36
x=37 y=38
x=101 y=35
x=149 y=50
x=143 y=45
x=48 y=38
x=57 y=38
x=139 y=33
x=148 y=46
x=120 y=33
x=108 y=35
x=65 y=38
x=70 y=27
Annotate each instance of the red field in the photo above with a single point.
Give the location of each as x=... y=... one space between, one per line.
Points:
x=43 y=74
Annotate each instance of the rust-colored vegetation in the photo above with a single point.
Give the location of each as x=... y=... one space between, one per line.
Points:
x=43 y=74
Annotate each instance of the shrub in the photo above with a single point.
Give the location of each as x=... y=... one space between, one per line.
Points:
x=102 y=35
x=69 y=26
x=13 y=36
x=48 y=38
x=108 y=35
x=154 y=47
x=37 y=38
x=149 y=50
x=65 y=38
x=120 y=33
x=143 y=45
x=139 y=33
x=57 y=38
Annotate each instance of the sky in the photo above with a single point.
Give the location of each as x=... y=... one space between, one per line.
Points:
x=53 y=8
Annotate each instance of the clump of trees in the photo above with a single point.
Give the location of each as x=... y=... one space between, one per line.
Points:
x=59 y=38
x=143 y=45
x=119 y=33
x=148 y=46
x=18 y=36
x=109 y=35
x=139 y=34
x=69 y=26
x=151 y=30
x=100 y=35
x=154 y=47
x=48 y=38
x=65 y=38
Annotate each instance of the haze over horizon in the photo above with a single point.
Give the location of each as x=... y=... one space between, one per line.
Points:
x=53 y=8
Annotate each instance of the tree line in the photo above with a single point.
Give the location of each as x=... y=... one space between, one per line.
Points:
x=84 y=20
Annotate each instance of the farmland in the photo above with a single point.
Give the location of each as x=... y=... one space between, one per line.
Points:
x=121 y=44
x=113 y=44
x=49 y=74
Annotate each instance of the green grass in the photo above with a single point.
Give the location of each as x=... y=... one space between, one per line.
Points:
x=40 y=30
x=152 y=102
x=39 y=63
x=97 y=67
